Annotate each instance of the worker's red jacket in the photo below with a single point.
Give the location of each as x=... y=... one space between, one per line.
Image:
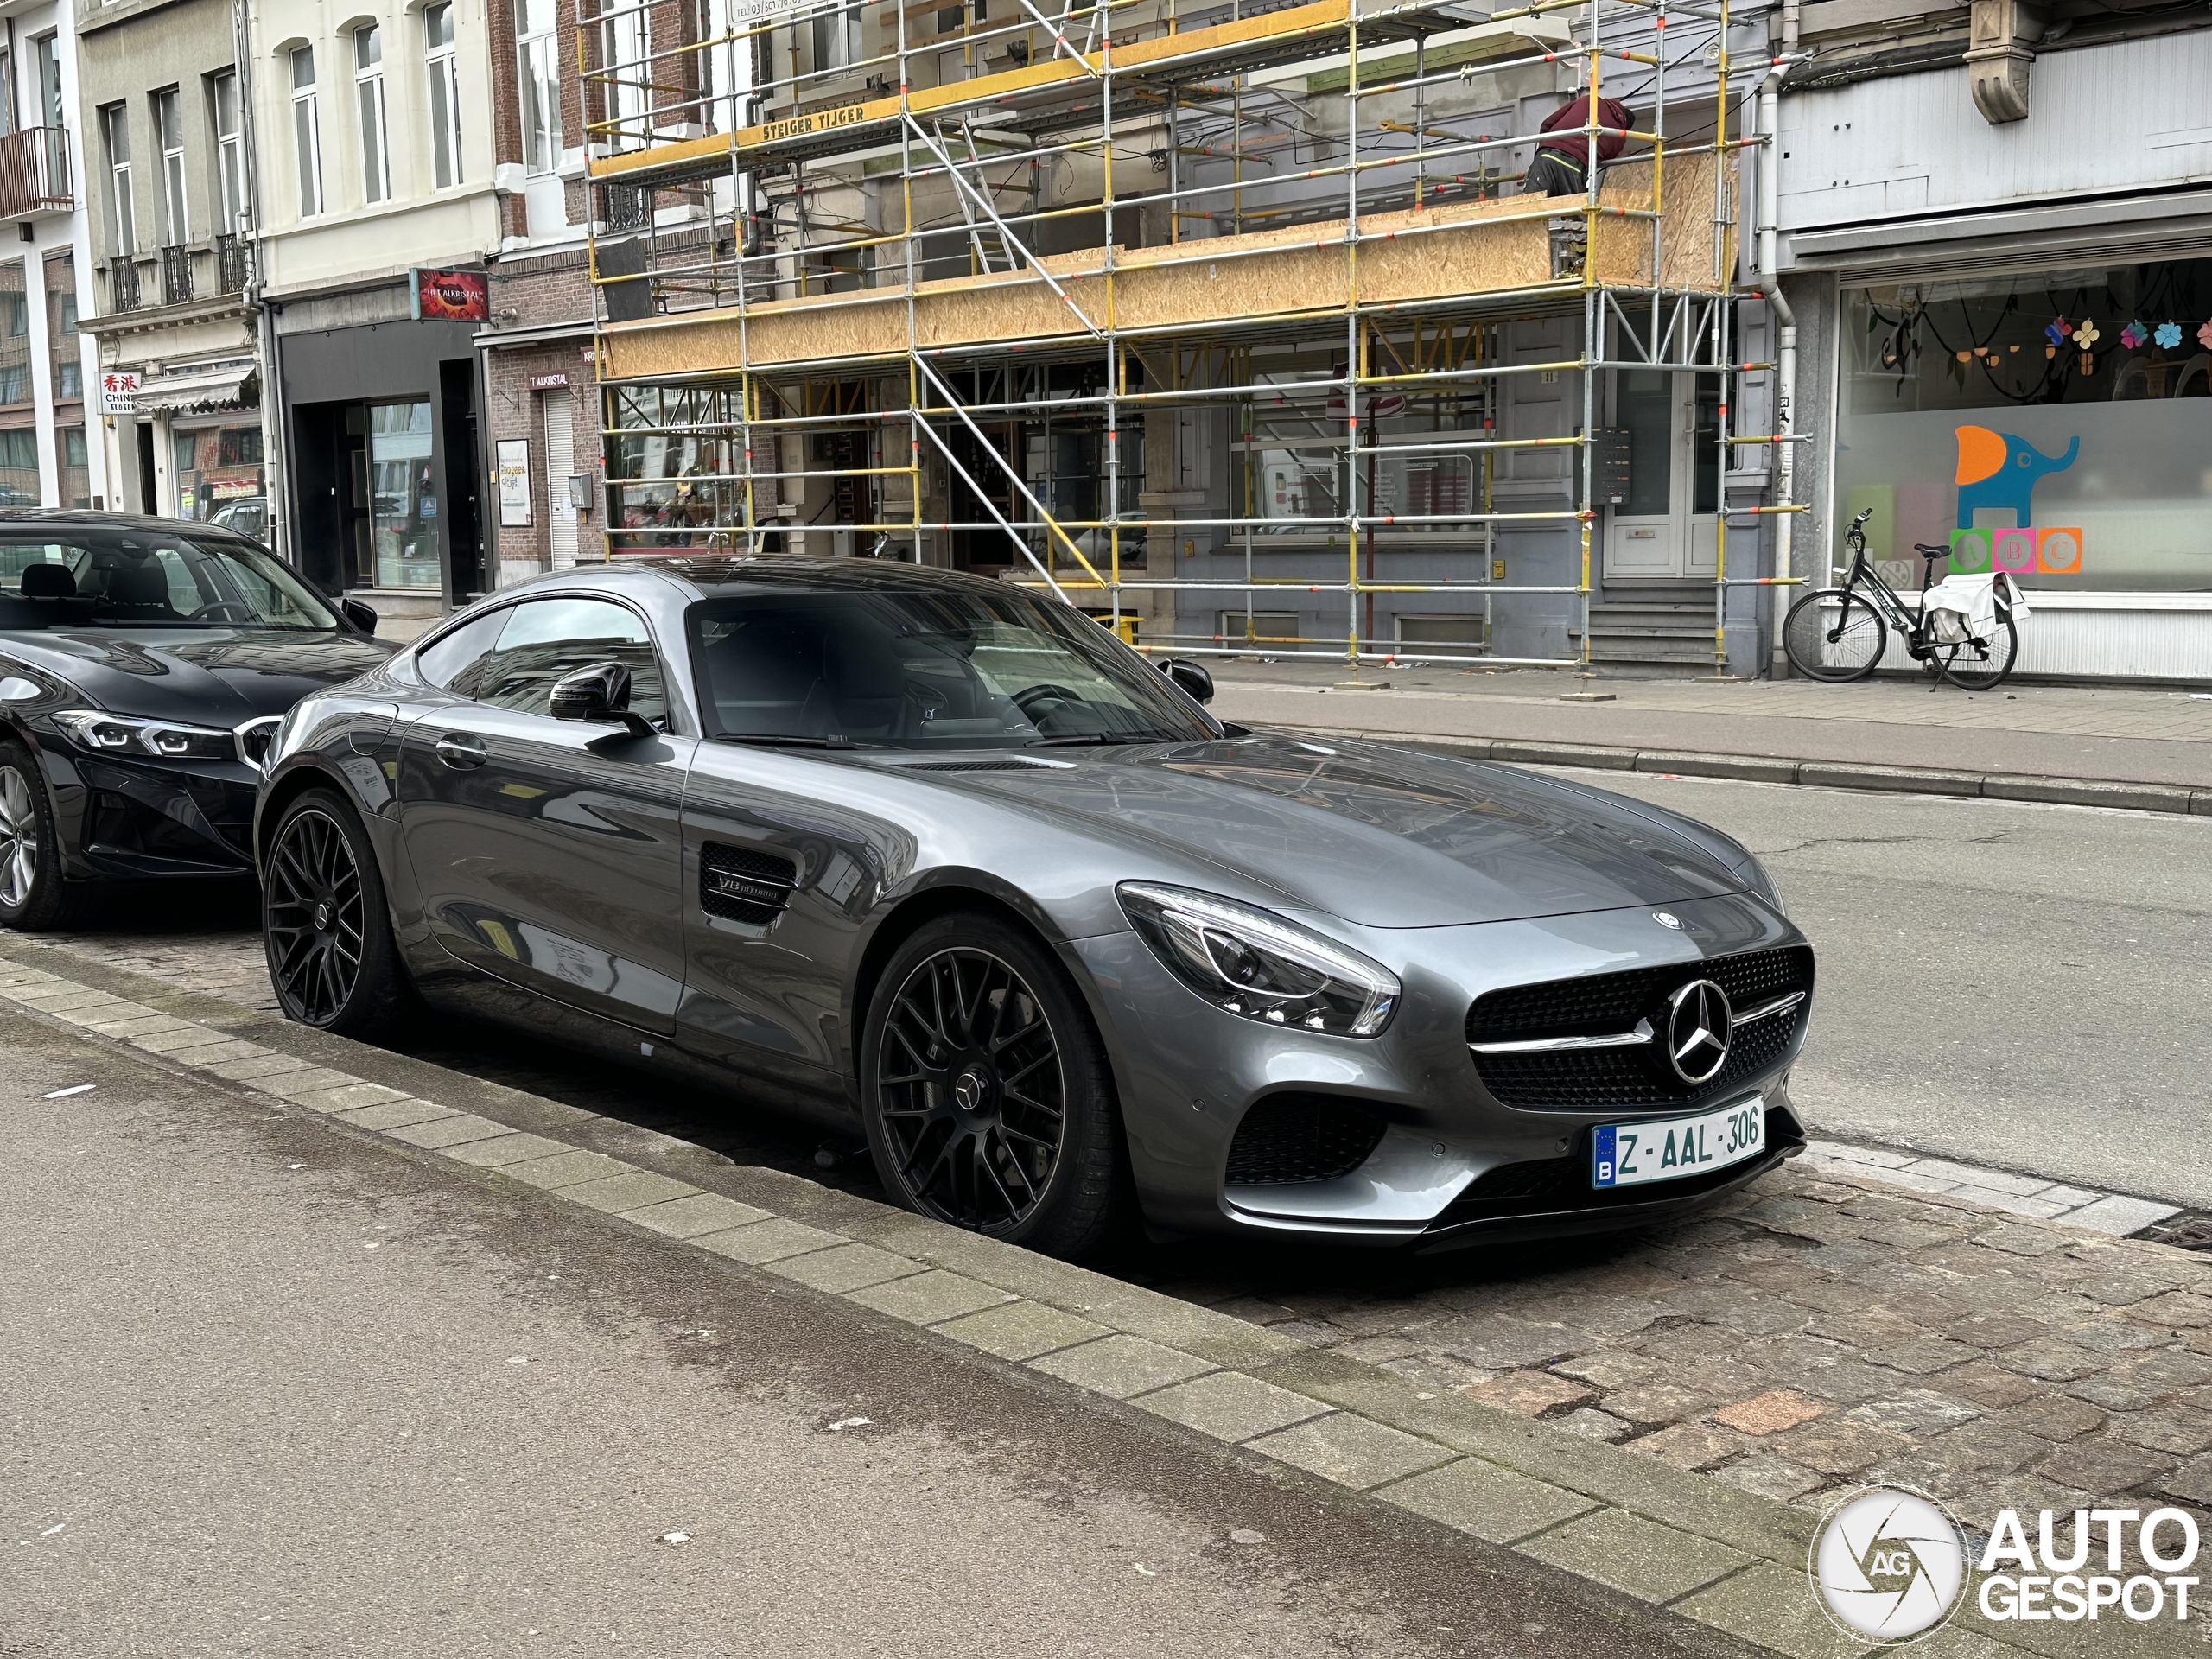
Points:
x=1569 y=119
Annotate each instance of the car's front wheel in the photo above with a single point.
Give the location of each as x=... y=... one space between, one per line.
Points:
x=989 y=1100
x=332 y=956
x=33 y=894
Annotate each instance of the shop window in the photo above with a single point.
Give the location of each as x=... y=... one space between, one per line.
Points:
x=19 y=486
x=2053 y=424
x=403 y=502
x=215 y=466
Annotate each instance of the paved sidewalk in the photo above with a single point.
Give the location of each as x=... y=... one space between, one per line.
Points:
x=2121 y=734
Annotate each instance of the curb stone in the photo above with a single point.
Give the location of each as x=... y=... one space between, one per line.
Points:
x=1823 y=774
x=1707 y=1552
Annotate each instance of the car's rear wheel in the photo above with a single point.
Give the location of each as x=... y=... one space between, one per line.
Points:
x=33 y=894
x=989 y=1100
x=332 y=958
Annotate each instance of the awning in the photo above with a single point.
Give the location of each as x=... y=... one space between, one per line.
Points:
x=225 y=386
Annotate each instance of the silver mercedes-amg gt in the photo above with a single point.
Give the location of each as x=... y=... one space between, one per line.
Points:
x=940 y=861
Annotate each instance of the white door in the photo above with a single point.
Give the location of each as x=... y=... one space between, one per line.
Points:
x=1666 y=527
x=560 y=461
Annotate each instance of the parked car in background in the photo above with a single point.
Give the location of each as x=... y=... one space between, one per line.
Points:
x=143 y=664
x=248 y=516
x=946 y=864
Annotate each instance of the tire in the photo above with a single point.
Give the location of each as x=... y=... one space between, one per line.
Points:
x=1834 y=634
x=325 y=926
x=959 y=1108
x=1982 y=665
x=33 y=896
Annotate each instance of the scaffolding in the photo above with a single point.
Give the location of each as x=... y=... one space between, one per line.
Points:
x=1082 y=297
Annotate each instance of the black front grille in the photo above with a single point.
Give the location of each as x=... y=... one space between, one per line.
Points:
x=741 y=885
x=1289 y=1138
x=1550 y=1183
x=1602 y=1078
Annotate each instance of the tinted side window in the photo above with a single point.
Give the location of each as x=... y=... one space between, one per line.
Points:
x=455 y=662
x=550 y=637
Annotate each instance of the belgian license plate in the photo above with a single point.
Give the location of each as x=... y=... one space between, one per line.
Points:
x=1668 y=1148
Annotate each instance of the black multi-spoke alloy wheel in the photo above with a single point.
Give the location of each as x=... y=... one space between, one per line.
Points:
x=332 y=959
x=33 y=894
x=985 y=1090
x=1834 y=634
x=1982 y=665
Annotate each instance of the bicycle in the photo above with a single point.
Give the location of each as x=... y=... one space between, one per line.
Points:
x=1840 y=634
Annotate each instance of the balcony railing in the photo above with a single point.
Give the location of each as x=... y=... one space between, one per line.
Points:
x=34 y=173
x=122 y=283
x=177 y=276
x=231 y=266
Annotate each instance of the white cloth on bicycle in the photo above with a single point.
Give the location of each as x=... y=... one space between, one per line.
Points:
x=1960 y=609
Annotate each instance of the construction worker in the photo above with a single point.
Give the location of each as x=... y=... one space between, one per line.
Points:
x=1559 y=167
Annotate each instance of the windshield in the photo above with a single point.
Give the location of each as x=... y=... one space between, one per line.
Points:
x=927 y=669
x=147 y=579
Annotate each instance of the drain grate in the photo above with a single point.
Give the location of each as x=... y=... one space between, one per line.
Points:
x=2185 y=1229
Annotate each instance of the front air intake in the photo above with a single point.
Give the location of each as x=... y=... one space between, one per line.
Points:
x=1291 y=1138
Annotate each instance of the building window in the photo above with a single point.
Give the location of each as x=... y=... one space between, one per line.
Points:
x=52 y=105
x=168 y=129
x=19 y=485
x=368 y=89
x=76 y=467
x=537 y=59
x=445 y=95
x=7 y=90
x=307 y=131
x=115 y=125
x=230 y=151
x=1970 y=414
x=63 y=343
x=403 y=501
x=15 y=339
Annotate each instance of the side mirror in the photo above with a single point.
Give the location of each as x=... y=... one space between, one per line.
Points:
x=1191 y=677
x=597 y=696
x=363 y=617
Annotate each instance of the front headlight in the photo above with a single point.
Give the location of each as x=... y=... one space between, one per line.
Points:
x=166 y=738
x=1262 y=966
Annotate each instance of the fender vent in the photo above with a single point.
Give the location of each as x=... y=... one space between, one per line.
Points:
x=741 y=885
x=1302 y=1138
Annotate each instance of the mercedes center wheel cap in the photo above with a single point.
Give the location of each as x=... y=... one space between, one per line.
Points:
x=1698 y=1024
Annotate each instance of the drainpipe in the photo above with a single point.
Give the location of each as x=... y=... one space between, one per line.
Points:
x=1785 y=351
x=276 y=452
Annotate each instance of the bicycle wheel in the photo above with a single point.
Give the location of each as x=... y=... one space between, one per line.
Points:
x=1981 y=664
x=1834 y=634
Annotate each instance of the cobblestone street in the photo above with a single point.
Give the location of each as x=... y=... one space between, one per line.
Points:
x=1824 y=1329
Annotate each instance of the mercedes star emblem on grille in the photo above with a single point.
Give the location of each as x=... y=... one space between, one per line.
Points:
x=1666 y=918
x=1699 y=1022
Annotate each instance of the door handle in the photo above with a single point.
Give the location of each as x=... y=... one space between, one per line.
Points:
x=461 y=752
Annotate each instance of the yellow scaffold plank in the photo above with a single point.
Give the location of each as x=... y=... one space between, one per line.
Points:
x=1322 y=17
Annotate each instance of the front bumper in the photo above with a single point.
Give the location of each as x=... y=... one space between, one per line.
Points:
x=1452 y=1165
x=131 y=819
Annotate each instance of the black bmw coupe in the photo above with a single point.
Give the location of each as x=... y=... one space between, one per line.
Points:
x=143 y=665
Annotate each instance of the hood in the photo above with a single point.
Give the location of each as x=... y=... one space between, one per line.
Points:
x=202 y=677
x=1381 y=837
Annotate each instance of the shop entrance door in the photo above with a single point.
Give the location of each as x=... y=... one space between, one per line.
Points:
x=1667 y=529
x=560 y=461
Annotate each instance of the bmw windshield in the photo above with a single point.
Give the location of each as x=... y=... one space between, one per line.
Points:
x=57 y=577
x=927 y=668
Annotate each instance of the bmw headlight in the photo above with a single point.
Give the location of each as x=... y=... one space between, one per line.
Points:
x=165 y=738
x=1262 y=966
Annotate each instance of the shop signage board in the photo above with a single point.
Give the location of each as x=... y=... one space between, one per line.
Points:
x=449 y=295
x=119 y=392
x=555 y=381
x=513 y=461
